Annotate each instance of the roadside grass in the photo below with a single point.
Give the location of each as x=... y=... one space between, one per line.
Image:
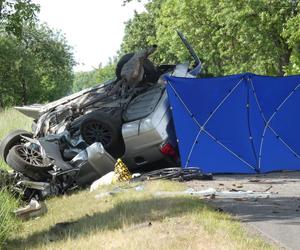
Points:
x=126 y=220
x=133 y=220
x=8 y=222
x=11 y=119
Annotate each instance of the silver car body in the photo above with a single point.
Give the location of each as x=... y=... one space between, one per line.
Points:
x=144 y=137
x=35 y=111
x=147 y=120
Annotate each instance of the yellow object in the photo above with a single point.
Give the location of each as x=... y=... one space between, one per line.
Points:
x=121 y=171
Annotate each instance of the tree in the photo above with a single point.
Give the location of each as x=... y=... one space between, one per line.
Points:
x=84 y=80
x=36 y=69
x=140 y=31
x=9 y=59
x=291 y=33
x=14 y=14
x=87 y=79
x=251 y=35
x=231 y=36
x=53 y=59
x=35 y=62
x=107 y=72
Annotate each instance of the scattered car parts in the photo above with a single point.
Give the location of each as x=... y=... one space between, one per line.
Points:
x=76 y=139
x=175 y=173
x=33 y=210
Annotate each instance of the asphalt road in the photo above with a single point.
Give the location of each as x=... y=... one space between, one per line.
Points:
x=277 y=218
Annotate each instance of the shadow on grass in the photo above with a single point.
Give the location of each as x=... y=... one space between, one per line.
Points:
x=126 y=212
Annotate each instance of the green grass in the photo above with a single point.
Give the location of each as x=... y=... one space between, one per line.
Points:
x=11 y=119
x=134 y=220
x=127 y=220
x=8 y=222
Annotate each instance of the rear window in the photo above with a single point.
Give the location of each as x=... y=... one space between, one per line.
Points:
x=144 y=104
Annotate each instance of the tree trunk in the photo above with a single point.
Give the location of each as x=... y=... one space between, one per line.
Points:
x=1 y=102
x=284 y=60
x=24 y=91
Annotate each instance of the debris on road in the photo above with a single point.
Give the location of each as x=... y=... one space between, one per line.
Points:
x=275 y=217
x=209 y=193
x=175 y=173
x=236 y=194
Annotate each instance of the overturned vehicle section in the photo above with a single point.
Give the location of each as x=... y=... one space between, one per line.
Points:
x=77 y=139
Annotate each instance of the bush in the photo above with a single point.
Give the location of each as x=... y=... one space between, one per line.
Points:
x=8 y=222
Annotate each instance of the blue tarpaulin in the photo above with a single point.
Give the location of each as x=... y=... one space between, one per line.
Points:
x=242 y=123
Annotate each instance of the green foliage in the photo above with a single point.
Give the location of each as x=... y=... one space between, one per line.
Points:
x=291 y=33
x=87 y=79
x=231 y=36
x=35 y=62
x=140 y=26
x=106 y=73
x=84 y=80
x=37 y=68
x=140 y=31
x=14 y=14
x=53 y=62
x=8 y=222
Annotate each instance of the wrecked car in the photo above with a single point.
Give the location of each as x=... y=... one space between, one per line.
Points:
x=76 y=139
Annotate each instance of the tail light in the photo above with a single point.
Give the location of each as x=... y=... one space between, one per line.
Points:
x=168 y=150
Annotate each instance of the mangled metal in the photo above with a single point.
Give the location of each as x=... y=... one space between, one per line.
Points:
x=76 y=139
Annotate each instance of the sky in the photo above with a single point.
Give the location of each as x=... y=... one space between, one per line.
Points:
x=94 y=28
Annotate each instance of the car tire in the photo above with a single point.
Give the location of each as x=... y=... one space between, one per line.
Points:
x=12 y=139
x=29 y=162
x=150 y=75
x=100 y=127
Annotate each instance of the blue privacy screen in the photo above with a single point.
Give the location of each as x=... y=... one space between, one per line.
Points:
x=237 y=124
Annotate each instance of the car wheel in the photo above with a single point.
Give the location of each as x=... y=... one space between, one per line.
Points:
x=12 y=139
x=150 y=75
x=29 y=162
x=99 y=127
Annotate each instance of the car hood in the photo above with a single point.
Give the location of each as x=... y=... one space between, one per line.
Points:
x=36 y=110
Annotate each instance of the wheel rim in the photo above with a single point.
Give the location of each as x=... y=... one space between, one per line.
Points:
x=31 y=156
x=94 y=131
